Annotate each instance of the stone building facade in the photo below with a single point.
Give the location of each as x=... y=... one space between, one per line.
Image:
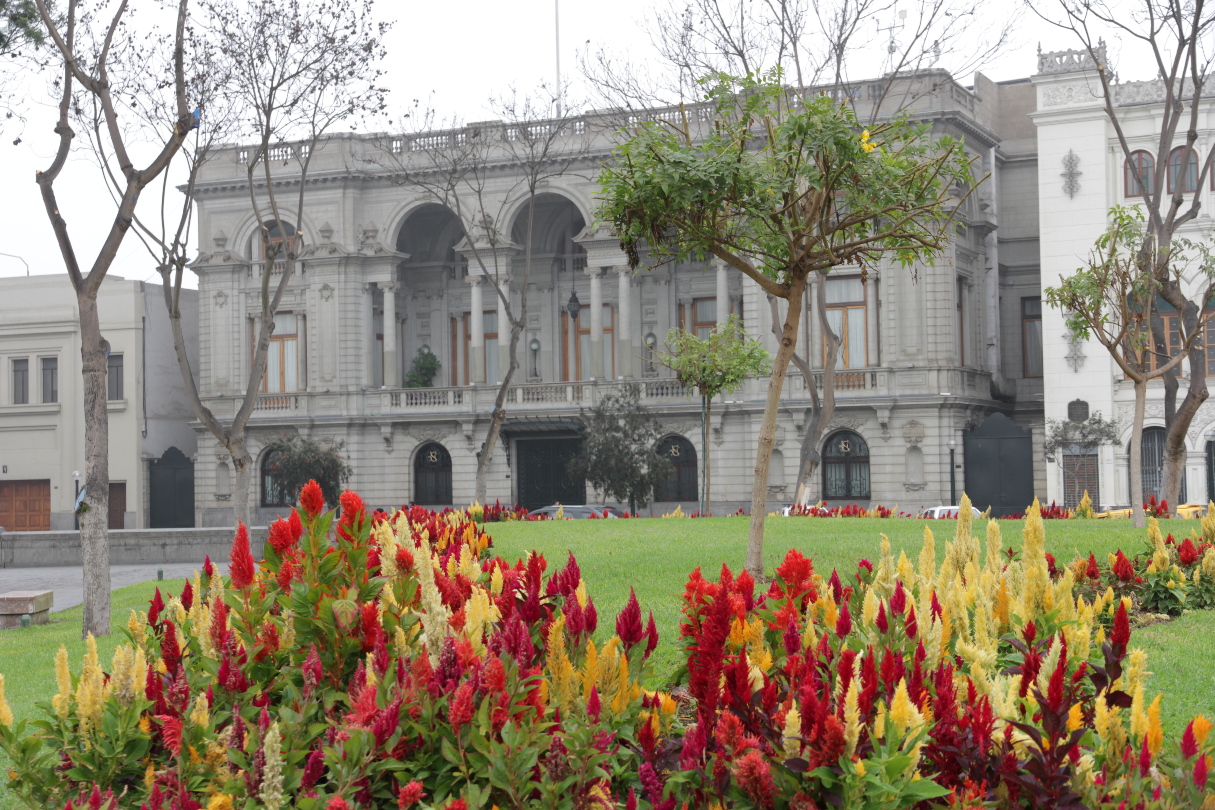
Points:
x=930 y=353
x=1084 y=173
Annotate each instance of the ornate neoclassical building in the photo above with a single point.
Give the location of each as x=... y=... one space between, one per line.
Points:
x=928 y=356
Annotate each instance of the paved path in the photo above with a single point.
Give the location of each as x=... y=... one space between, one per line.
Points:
x=67 y=581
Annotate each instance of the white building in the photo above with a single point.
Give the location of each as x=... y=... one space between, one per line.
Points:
x=41 y=405
x=1083 y=174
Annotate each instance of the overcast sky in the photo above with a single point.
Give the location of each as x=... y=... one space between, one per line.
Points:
x=453 y=54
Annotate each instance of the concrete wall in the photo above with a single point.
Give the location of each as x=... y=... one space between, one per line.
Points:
x=127 y=547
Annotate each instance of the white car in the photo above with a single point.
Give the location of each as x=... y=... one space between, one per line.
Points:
x=947 y=512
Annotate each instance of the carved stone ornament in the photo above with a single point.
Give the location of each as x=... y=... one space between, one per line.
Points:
x=1071 y=174
x=689 y=430
x=386 y=435
x=326 y=231
x=326 y=291
x=1060 y=95
x=913 y=433
x=778 y=438
x=220 y=239
x=915 y=487
x=845 y=421
x=430 y=431
x=220 y=299
x=1068 y=61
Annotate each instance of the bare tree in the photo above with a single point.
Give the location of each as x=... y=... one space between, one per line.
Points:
x=283 y=76
x=93 y=82
x=540 y=139
x=1176 y=35
x=1112 y=298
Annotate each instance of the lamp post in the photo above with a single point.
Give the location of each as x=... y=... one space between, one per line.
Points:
x=953 y=480
x=76 y=499
x=534 y=345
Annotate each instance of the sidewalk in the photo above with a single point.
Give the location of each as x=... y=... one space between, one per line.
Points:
x=68 y=581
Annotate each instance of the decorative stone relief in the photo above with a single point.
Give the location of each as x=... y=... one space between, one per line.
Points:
x=845 y=422
x=1068 y=61
x=1071 y=174
x=220 y=299
x=1079 y=93
x=778 y=437
x=430 y=432
x=386 y=435
x=326 y=291
x=913 y=432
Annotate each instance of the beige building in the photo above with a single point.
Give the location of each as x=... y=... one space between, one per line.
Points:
x=41 y=405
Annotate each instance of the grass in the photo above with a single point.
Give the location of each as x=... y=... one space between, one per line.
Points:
x=655 y=557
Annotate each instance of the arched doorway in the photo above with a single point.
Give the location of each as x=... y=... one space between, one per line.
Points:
x=1152 y=464
x=274 y=493
x=171 y=495
x=680 y=483
x=432 y=475
x=845 y=467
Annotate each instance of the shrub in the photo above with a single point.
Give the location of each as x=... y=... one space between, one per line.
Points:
x=423 y=369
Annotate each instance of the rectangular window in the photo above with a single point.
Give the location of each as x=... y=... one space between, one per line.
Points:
x=113 y=377
x=21 y=381
x=377 y=359
x=489 y=324
x=961 y=322
x=50 y=379
x=704 y=315
x=582 y=349
x=846 y=316
x=282 y=361
x=1031 y=337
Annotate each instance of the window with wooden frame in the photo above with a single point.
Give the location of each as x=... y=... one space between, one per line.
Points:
x=377 y=356
x=283 y=358
x=491 y=345
x=1139 y=173
x=1031 y=337
x=847 y=316
x=582 y=349
x=1183 y=170
x=961 y=307
x=704 y=317
x=282 y=239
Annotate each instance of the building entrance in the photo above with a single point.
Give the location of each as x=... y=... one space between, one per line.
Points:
x=542 y=475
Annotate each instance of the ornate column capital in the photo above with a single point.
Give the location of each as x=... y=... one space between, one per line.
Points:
x=389 y=286
x=474 y=281
x=594 y=272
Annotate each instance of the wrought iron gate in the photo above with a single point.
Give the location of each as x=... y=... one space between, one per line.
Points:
x=543 y=479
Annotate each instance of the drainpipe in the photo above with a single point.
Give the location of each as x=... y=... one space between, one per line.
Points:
x=991 y=244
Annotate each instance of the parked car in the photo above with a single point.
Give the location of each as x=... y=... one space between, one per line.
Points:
x=950 y=512
x=576 y=511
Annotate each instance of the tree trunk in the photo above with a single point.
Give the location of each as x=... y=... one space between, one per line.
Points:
x=499 y=412
x=704 y=440
x=1178 y=422
x=1136 y=462
x=94 y=523
x=242 y=464
x=767 y=430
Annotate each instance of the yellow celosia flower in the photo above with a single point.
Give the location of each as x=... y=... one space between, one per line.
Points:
x=905 y=718
x=149 y=774
x=145 y=724
x=1075 y=717
x=1155 y=732
x=928 y=557
x=63 y=701
x=1202 y=727
x=1160 y=554
x=6 y=714
x=852 y=719
x=1139 y=718
x=737 y=629
x=200 y=715
x=90 y=690
x=271 y=792
x=860 y=768
x=220 y=801
x=435 y=614
x=869 y=608
x=879 y=722
x=760 y=657
x=793 y=730
x=495 y=582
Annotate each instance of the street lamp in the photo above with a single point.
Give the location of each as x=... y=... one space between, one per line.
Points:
x=574 y=306
x=535 y=348
x=650 y=343
x=953 y=480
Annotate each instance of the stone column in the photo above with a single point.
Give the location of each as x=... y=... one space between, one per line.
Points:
x=392 y=378
x=368 y=335
x=503 y=328
x=723 y=294
x=624 y=322
x=596 y=276
x=476 y=323
x=871 y=319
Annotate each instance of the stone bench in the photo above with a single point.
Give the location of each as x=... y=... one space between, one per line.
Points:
x=15 y=604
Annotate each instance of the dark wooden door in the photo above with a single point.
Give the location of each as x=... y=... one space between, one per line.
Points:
x=118 y=506
x=999 y=466
x=172 y=491
x=25 y=506
x=543 y=475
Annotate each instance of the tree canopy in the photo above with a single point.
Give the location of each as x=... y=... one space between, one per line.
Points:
x=294 y=461
x=619 y=455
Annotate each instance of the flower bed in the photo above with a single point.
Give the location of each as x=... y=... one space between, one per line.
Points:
x=400 y=664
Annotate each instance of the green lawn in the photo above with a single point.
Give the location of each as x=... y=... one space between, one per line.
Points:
x=655 y=557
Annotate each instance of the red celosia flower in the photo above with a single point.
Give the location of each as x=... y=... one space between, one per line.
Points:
x=1054 y=692
x=312 y=499
x=729 y=733
x=593 y=706
x=168 y=648
x=1123 y=568
x=337 y=803
x=155 y=607
x=651 y=634
x=456 y=804
x=628 y=623
x=1200 y=773
x=843 y=625
x=287 y=572
x=1145 y=758
x=882 y=622
x=314 y=768
x=911 y=626
x=187 y=595
x=369 y=629
x=404 y=560
x=1092 y=570
x=898 y=599
x=241 y=564
x=208 y=567
x=1187 y=552
x=281 y=536
x=754 y=776
x=354 y=513
x=1189 y=744
x=410 y=795
x=170 y=733
x=1121 y=632
x=460 y=712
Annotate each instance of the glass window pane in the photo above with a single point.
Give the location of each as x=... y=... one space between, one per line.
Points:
x=491 y=360
x=377 y=360
x=274 y=368
x=1033 y=348
x=856 y=338
x=609 y=355
x=703 y=332
x=491 y=322
x=835 y=319
x=289 y=366
x=1031 y=307
x=21 y=382
x=706 y=310
x=284 y=324
x=845 y=290
x=114 y=376
x=584 y=356
x=50 y=379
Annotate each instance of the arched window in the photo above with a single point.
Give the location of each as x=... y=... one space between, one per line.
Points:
x=1183 y=170
x=273 y=491
x=680 y=483
x=1153 y=463
x=432 y=475
x=1143 y=163
x=275 y=235
x=845 y=467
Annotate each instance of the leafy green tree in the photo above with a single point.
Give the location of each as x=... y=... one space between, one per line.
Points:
x=1112 y=297
x=718 y=364
x=422 y=372
x=19 y=24
x=619 y=455
x=294 y=461
x=780 y=186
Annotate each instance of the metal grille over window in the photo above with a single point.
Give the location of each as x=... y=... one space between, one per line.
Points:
x=846 y=467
